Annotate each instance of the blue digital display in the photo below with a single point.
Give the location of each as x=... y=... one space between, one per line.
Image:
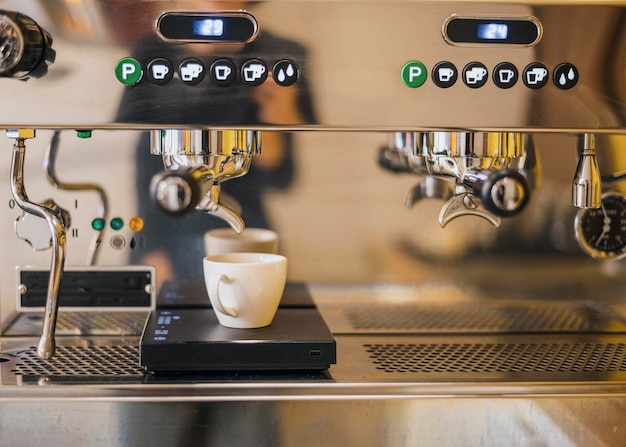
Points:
x=493 y=31
x=208 y=27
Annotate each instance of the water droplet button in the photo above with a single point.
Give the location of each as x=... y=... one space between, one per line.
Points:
x=565 y=76
x=285 y=73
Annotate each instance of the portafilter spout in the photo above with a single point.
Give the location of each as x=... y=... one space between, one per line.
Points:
x=196 y=163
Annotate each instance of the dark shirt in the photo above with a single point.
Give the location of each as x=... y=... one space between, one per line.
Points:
x=178 y=105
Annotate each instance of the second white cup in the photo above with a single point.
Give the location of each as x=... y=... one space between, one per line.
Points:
x=226 y=240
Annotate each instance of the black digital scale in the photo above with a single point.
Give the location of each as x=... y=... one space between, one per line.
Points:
x=183 y=334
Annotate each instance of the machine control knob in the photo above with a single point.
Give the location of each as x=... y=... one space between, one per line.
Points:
x=176 y=192
x=25 y=47
x=504 y=192
x=34 y=229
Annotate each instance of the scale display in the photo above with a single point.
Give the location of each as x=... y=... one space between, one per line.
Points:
x=492 y=30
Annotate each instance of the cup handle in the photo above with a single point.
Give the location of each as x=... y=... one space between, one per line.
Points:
x=214 y=290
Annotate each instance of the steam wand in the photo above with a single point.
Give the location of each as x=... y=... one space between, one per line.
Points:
x=56 y=224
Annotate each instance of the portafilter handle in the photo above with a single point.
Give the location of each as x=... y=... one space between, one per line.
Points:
x=490 y=194
x=503 y=192
x=181 y=191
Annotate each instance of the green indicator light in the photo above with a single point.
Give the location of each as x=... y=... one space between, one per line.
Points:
x=83 y=133
x=97 y=224
x=128 y=71
x=414 y=74
x=117 y=223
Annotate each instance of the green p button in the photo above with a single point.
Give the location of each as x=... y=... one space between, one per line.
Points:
x=128 y=71
x=414 y=74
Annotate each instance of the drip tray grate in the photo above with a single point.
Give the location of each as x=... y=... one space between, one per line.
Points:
x=490 y=317
x=75 y=362
x=472 y=357
x=498 y=357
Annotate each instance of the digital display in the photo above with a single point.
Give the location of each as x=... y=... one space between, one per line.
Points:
x=490 y=31
x=493 y=31
x=207 y=27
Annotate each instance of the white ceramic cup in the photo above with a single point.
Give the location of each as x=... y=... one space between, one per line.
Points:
x=226 y=240
x=245 y=288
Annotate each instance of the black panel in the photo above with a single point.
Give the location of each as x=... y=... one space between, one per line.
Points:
x=492 y=31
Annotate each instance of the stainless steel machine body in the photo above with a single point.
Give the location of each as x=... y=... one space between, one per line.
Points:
x=489 y=352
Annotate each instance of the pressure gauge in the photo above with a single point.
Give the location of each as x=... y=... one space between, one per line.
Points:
x=25 y=47
x=601 y=232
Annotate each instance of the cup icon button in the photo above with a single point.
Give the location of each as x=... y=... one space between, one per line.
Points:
x=505 y=75
x=535 y=75
x=160 y=71
x=223 y=72
x=475 y=75
x=254 y=72
x=444 y=74
x=191 y=71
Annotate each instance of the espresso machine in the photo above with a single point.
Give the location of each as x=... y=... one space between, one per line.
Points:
x=133 y=127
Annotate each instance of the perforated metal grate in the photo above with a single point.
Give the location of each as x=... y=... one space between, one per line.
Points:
x=81 y=361
x=468 y=317
x=498 y=357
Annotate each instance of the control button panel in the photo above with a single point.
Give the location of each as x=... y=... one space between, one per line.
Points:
x=160 y=71
x=128 y=71
x=223 y=72
x=504 y=75
x=220 y=72
x=535 y=75
x=565 y=76
x=445 y=74
x=475 y=75
x=414 y=74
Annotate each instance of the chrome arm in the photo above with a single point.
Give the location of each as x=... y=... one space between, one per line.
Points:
x=46 y=345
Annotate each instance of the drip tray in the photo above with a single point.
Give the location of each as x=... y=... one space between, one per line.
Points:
x=471 y=317
x=478 y=342
x=465 y=341
x=463 y=358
